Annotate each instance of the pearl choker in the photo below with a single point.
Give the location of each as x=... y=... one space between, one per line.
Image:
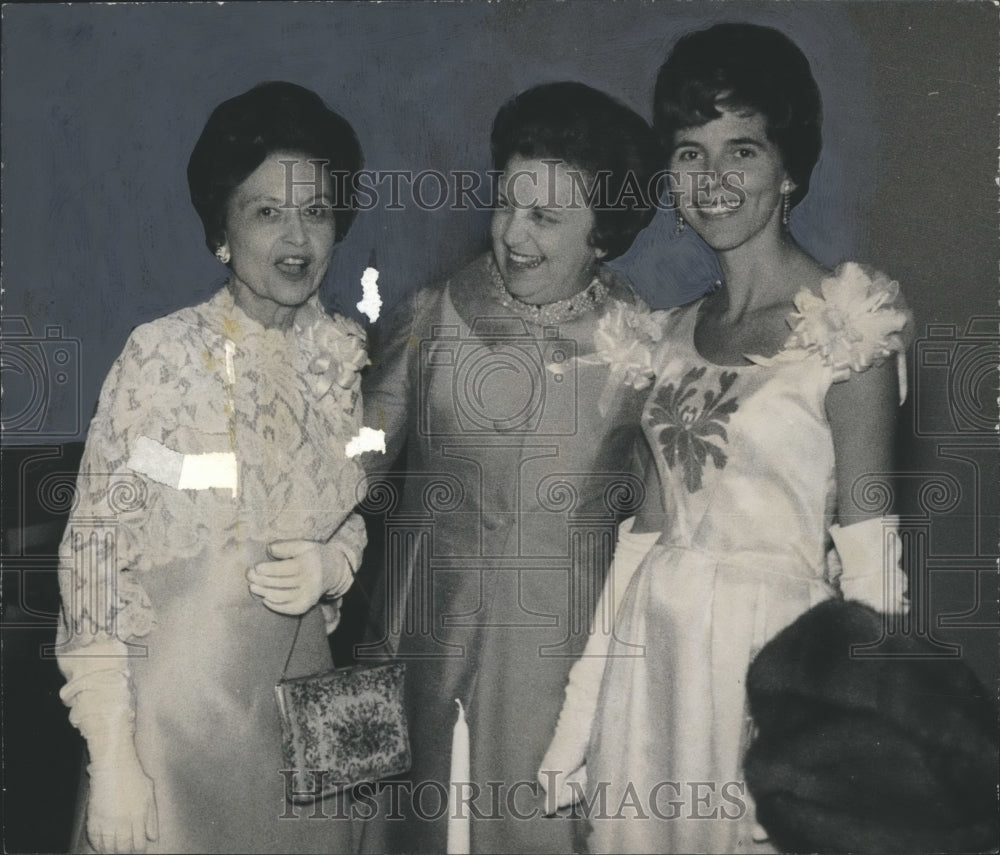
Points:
x=557 y=312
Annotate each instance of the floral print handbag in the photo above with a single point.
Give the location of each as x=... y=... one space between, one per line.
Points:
x=342 y=727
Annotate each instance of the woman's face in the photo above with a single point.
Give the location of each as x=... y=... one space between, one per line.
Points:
x=280 y=230
x=730 y=179
x=541 y=230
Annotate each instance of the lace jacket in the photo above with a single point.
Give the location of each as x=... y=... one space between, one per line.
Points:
x=210 y=432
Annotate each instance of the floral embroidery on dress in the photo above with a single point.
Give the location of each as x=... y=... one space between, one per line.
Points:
x=684 y=428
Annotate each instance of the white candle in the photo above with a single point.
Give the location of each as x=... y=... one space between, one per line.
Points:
x=459 y=815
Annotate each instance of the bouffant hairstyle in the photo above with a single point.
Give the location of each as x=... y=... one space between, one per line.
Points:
x=743 y=68
x=244 y=131
x=592 y=132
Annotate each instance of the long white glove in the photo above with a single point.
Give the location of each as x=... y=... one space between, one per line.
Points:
x=564 y=762
x=870 y=559
x=121 y=810
x=121 y=813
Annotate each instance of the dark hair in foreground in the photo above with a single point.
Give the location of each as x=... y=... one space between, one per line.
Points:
x=890 y=752
x=244 y=131
x=743 y=68
x=594 y=133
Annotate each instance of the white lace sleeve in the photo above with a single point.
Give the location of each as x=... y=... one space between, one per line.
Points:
x=102 y=605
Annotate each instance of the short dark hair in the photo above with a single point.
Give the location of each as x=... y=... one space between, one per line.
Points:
x=743 y=67
x=589 y=130
x=895 y=752
x=244 y=131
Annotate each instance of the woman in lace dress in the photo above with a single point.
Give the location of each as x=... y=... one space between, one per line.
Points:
x=774 y=397
x=215 y=505
x=518 y=435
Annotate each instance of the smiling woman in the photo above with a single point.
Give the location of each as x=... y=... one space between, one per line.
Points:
x=224 y=425
x=504 y=582
x=747 y=179
x=753 y=422
x=541 y=232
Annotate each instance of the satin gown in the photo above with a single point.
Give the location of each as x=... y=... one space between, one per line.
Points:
x=182 y=644
x=498 y=532
x=746 y=462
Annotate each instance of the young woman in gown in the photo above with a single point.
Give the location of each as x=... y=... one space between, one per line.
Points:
x=214 y=505
x=773 y=396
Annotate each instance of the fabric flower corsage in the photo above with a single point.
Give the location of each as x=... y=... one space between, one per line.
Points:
x=338 y=351
x=856 y=323
x=624 y=341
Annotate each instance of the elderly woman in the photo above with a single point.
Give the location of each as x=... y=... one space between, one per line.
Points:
x=518 y=430
x=754 y=426
x=215 y=504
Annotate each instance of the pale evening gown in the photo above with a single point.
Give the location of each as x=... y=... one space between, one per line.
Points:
x=746 y=459
x=181 y=649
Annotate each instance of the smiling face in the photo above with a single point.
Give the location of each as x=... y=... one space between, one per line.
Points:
x=731 y=178
x=541 y=231
x=280 y=241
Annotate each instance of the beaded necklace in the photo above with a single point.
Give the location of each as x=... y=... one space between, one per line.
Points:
x=556 y=312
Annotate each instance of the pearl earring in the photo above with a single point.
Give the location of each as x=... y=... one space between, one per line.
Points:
x=222 y=253
x=786 y=192
x=679 y=228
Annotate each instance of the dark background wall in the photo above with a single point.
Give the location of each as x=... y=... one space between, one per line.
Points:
x=102 y=104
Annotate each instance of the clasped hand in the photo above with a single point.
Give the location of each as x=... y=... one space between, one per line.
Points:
x=300 y=573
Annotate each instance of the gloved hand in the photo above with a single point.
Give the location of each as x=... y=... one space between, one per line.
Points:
x=302 y=571
x=305 y=570
x=870 y=564
x=121 y=812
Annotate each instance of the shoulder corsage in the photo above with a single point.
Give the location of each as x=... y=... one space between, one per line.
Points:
x=336 y=350
x=858 y=321
x=624 y=341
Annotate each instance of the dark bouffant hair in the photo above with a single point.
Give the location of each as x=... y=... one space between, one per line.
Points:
x=869 y=741
x=591 y=131
x=244 y=131
x=743 y=67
